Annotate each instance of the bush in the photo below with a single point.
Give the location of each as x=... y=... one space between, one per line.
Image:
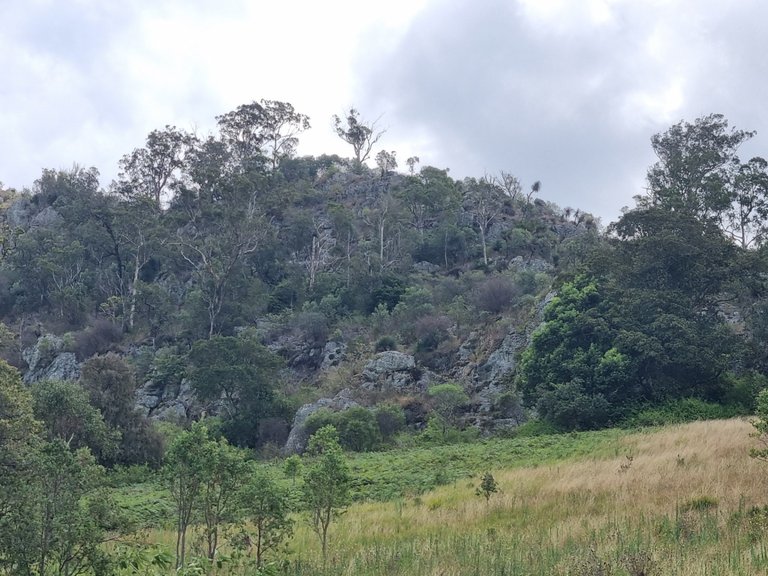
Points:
x=431 y=331
x=313 y=325
x=569 y=407
x=387 y=291
x=390 y=419
x=385 y=343
x=97 y=339
x=495 y=295
x=679 y=411
x=319 y=419
x=357 y=427
x=167 y=368
x=741 y=391
x=438 y=433
x=358 y=430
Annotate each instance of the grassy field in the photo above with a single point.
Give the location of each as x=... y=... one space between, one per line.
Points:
x=679 y=500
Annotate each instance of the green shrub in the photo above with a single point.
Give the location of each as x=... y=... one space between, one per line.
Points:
x=319 y=419
x=431 y=331
x=496 y=294
x=357 y=427
x=535 y=427
x=570 y=407
x=741 y=391
x=439 y=433
x=385 y=343
x=390 y=419
x=679 y=411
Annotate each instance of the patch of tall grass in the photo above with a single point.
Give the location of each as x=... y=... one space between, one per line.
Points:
x=681 y=500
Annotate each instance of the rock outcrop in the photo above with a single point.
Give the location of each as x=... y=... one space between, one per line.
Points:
x=298 y=436
x=47 y=360
x=393 y=372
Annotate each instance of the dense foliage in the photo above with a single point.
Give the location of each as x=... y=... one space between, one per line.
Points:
x=645 y=320
x=220 y=266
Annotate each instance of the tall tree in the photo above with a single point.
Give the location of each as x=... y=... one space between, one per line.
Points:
x=359 y=134
x=428 y=197
x=19 y=443
x=745 y=220
x=696 y=167
x=225 y=470
x=184 y=466
x=265 y=130
x=483 y=198
x=52 y=513
x=153 y=172
x=266 y=505
x=221 y=221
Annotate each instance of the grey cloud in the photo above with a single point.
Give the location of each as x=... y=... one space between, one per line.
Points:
x=561 y=106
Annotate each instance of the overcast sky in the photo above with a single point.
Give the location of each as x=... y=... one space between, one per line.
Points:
x=567 y=92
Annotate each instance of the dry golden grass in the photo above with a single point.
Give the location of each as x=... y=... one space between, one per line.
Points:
x=680 y=506
x=589 y=511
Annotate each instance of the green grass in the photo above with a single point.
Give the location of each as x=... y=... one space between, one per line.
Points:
x=383 y=476
x=689 y=502
x=145 y=505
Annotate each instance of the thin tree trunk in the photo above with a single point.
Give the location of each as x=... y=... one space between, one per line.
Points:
x=349 y=254
x=485 y=251
x=134 y=291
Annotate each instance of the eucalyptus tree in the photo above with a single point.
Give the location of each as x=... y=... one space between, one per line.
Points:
x=265 y=131
x=266 y=504
x=154 y=171
x=483 y=199
x=221 y=220
x=746 y=220
x=358 y=133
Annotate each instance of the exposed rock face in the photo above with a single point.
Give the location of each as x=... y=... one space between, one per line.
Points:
x=298 y=437
x=426 y=267
x=502 y=361
x=174 y=403
x=299 y=354
x=47 y=361
x=388 y=362
x=45 y=218
x=18 y=213
x=490 y=376
x=566 y=230
x=533 y=265
x=394 y=372
x=333 y=354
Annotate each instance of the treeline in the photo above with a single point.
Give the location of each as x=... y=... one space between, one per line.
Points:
x=208 y=254
x=206 y=249
x=198 y=236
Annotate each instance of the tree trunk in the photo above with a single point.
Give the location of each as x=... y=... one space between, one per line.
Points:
x=132 y=305
x=485 y=250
